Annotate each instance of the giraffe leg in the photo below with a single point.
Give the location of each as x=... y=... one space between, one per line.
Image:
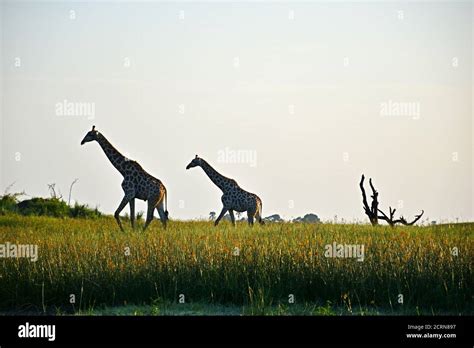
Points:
x=161 y=211
x=132 y=212
x=149 y=214
x=122 y=205
x=232 y=218
x=250 y=216
x=221 y=215
x=250 y=219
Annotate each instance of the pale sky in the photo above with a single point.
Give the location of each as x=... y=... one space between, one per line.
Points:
x=316 y=93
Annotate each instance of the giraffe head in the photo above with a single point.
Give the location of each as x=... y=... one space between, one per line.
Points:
x=194 y=163
x=90 y=136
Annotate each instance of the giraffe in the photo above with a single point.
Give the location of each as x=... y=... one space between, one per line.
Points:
x=137 y=183
x=234 y=197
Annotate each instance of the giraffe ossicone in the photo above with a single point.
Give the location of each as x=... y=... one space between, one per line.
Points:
x=137 y=183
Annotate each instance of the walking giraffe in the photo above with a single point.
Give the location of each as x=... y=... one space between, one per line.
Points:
x=234 y=197
x=137 y=183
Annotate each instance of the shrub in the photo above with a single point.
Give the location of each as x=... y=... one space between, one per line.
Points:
x=37 y=206
x=43 y=207
x=8 y=203
x=84 y=211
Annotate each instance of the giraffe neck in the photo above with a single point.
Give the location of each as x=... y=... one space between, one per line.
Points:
x=218 y=179
x=114 y=156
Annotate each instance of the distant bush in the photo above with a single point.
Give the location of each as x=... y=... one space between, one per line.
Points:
x=308 y=218
x=8 y=203
x=44 y=207
x=273 y=218
x=84 y=211
x=55 y=207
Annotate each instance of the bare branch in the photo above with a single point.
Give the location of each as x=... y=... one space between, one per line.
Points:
x=403 y=221
x=384 y=216
x=70 y=191
x=371 y=212
x=364 y=196
x=9 y=187
x=52 y=190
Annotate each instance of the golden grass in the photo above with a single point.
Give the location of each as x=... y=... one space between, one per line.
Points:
x=88 y=258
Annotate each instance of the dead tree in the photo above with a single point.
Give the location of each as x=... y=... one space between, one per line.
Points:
x=373 y=211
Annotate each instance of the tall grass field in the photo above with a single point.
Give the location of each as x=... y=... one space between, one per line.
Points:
x=88 y=265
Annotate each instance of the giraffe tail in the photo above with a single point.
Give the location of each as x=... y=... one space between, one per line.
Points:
x=166 y=205
x=260 y=220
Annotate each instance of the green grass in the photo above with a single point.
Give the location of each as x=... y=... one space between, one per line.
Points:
x=87 y=258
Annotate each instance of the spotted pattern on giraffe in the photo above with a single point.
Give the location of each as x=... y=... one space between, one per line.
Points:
x=234 y=198
x=137 y=183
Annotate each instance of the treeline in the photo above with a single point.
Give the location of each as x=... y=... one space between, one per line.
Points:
x=54 y=206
